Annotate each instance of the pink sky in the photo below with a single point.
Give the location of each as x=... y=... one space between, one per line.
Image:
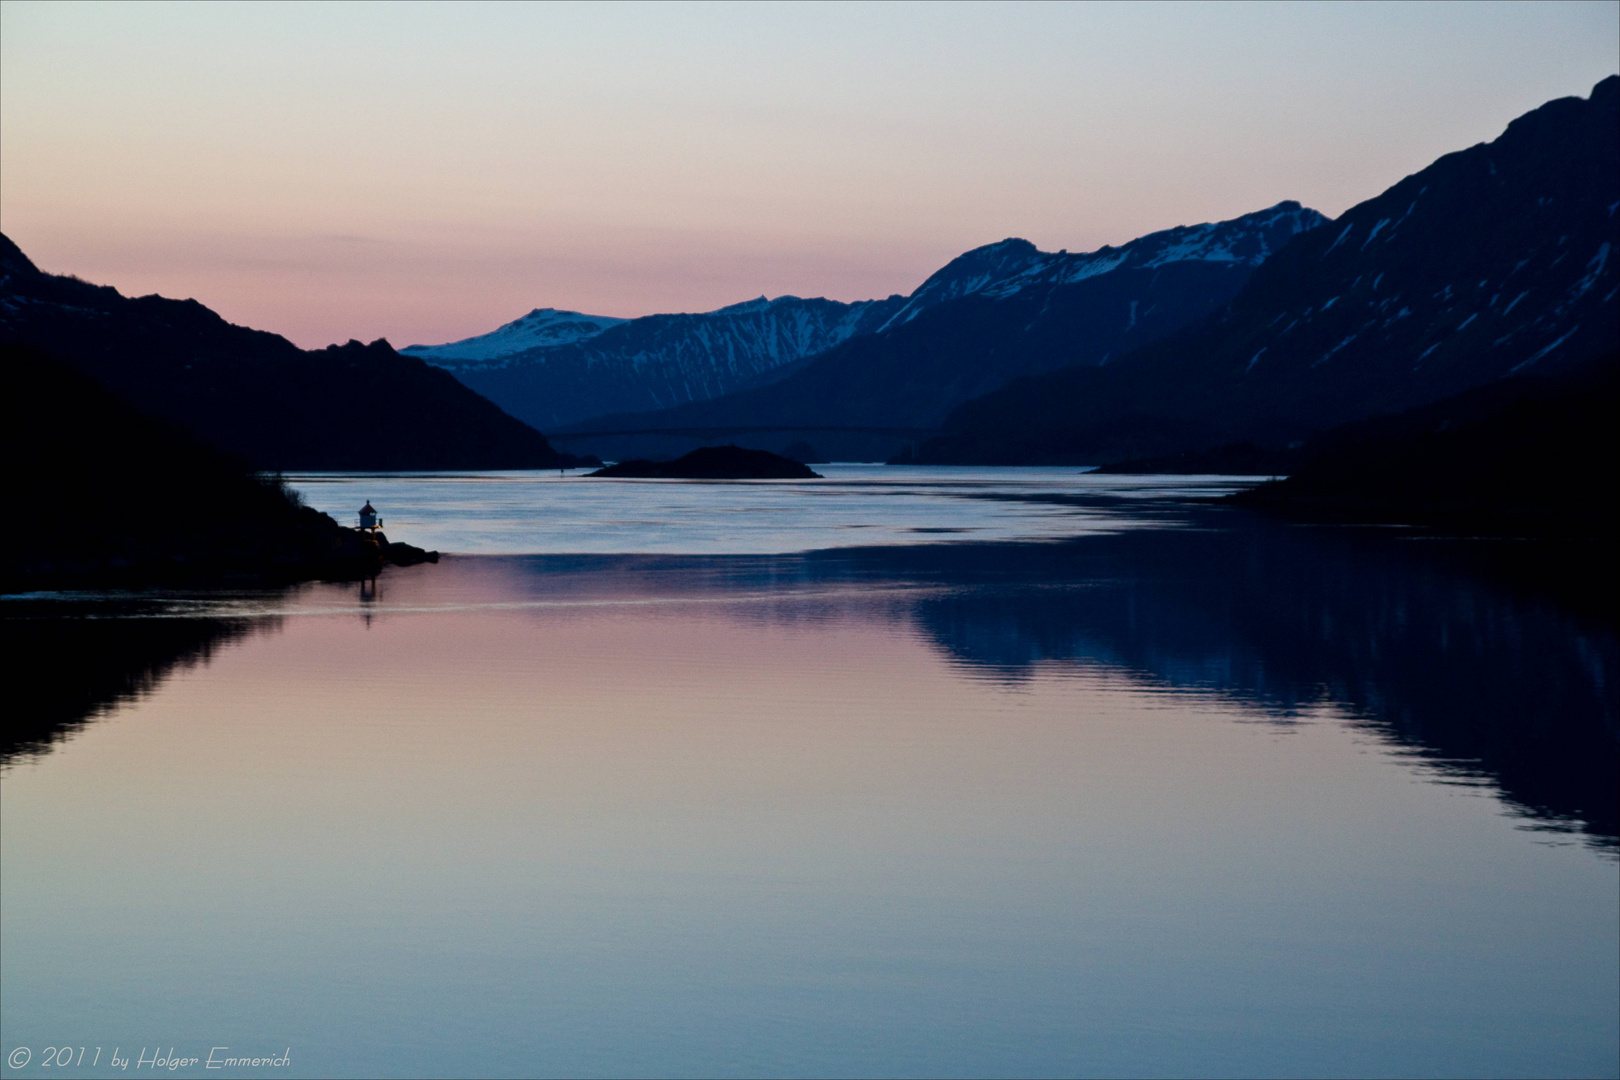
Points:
x=424 y=173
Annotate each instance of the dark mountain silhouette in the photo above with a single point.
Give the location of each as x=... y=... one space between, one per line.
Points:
x=102 y=495
x=1493 y=262
x=991 y=315
x=1367 y=453
x=1535 y=458
x=256 y=394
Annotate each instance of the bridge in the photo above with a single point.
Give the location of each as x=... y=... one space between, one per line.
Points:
x=705 y=433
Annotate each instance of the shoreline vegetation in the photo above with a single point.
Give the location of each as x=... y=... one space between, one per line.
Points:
x=113 y=498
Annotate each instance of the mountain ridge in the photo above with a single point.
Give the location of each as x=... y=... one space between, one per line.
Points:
x=1493 y=260
x=659 y=360
x=611 y=368
x=541 y=327
x=254 y=393
x=1003 y=310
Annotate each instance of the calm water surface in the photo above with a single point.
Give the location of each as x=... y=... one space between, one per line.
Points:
x=1183 y=794
x=851 y=506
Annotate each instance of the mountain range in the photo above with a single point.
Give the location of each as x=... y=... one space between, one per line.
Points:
x=565 y=370
x=257 y=394
x=991 y=315
x=1493 y=262
x=552 y=368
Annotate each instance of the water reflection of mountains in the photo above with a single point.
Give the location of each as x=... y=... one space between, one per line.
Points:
x=64 y=672
x=1486 y=680
x=1461 y=660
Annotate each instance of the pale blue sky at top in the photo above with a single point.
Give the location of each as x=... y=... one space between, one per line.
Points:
x=423 y=172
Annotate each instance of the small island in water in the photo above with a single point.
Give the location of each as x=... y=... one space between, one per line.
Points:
x=713 y=463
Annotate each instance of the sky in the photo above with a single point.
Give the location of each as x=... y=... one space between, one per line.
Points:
x=426 y=172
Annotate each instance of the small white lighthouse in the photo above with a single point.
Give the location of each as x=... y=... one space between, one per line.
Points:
x=369 y=521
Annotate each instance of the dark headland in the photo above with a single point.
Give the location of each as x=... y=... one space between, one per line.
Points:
x=102 y=495
x=713 y=463
x=256 y=394
x=1524 y=457
x=1524 y=468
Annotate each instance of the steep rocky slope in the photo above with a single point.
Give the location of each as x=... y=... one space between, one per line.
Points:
x=1493 y=261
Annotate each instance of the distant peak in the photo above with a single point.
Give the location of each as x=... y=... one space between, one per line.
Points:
x=1013 y=244
x=759 y=303
x=1004 y=255
x=544 y=315
x=1272 y=213
x=540 y=327
x=968 y=273
x=549 y=313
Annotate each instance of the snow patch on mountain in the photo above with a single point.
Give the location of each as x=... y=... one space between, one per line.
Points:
x=540 y=327
x=1004 y=269
x=553 y=368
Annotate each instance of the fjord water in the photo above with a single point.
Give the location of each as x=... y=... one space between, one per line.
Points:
x=852 y=505
x=1185 y=793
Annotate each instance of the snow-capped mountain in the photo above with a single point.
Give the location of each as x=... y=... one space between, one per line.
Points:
x=1001 y=270
x=992 y=315
x=538 y=329
x=661 y=360
x=1495 y=261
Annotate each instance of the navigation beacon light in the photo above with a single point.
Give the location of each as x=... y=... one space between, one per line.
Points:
x=369 y=521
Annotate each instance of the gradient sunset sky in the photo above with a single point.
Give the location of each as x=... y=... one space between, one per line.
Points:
x=424 y=172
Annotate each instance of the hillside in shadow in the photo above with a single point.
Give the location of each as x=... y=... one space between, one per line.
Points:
x=257 y=394
x=102 y=495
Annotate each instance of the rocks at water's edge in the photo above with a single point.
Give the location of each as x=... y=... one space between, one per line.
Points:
x=713 y=463
x=396 y=554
